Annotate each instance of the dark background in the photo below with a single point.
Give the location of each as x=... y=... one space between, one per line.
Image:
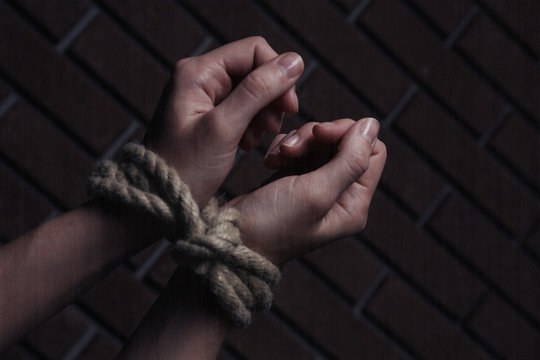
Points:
x=449 y=265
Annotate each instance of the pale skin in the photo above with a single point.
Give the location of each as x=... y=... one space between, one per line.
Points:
x=215 y=104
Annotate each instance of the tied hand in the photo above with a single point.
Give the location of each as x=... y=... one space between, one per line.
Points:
x=219 y=101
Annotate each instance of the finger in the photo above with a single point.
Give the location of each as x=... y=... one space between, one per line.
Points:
x=349 y=215
x=260 y=87
x=331 y=132
x=351 y=161
x=274 y=145
x=240 y=57
x=268 y=119
x=273 y=160
x=312 y=134
x=288 y=102
x=369 y=180
x=216 y=70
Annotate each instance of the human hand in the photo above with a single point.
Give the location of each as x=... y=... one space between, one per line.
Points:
x=336 y=167
x=217 y=102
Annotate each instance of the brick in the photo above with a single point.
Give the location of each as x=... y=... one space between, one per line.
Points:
x=504 y=330
x=124 y=66
x=101 y=347
x=323 y=98
x=423 y=260
x=407 y=176
x=347 y=265
x=522 y=17
x=518 y=142
x=446 y=14
x=325 y=319
x=162 y=271
x=248 y=174
x=4 y=92
x=57 y=85
x=415 y=322
x=140 y=258
x=455 y=152
x=267 y=339
x=16 y=352
x=336 y=102
x=224 y=356
x=237 y=19
x=349 y=4
x=533 y=239
x=56 y=337
x=120 y=301
x=348 y=50
x=504 y=61
x=477 y=239
x=441 y=69
x=56 y=16
x=163 y=25
x=21 y=208
x=47 y=155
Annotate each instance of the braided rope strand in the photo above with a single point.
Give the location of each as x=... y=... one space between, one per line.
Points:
x=209 y=240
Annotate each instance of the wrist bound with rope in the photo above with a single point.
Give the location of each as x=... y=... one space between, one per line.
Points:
x=208 y=241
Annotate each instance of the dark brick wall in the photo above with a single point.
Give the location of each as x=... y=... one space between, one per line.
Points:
x=449 y=265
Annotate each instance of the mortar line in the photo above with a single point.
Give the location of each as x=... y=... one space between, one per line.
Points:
x=120 y=140
x=357 y=11
x=298 y=337
x=371 y=290
x=152 y=259
x=460 y=28
x=494 y=126
x=116 y=339
x=484 y=291
x=397 y=344
x=400 y=105
x=308 y=71
x=203 y=46
x=76 y=30
x=82 y=343
x=7 y=104
x=434 y=206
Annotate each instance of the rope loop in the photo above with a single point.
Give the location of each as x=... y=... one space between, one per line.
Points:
x=208 y=240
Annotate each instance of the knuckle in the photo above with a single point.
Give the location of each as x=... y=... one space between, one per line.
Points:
x=258 y=40
x=359 y=163
x=317 y=203
x=181 y=64
x=256 y=85
x=183 y=69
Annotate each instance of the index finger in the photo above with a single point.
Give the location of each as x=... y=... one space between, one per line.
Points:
x=240 y=57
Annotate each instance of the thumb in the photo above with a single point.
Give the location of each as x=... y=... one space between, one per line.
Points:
x=258 y=89
x=350 y=162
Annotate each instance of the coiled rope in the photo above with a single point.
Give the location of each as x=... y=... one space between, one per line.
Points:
x=208 y=241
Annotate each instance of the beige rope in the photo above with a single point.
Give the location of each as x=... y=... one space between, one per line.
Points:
x=209 y=241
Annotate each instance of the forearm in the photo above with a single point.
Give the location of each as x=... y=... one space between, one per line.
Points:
x=182 y=324
x=46 y=269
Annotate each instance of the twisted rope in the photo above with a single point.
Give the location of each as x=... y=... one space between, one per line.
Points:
x=209 y=240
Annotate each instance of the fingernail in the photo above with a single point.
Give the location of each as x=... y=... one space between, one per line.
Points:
x=370 y=129
x=275 y=151
x=325 y=124
x=292 y=140
x=292 y=64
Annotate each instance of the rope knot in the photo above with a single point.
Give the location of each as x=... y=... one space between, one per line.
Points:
x=209 y=241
